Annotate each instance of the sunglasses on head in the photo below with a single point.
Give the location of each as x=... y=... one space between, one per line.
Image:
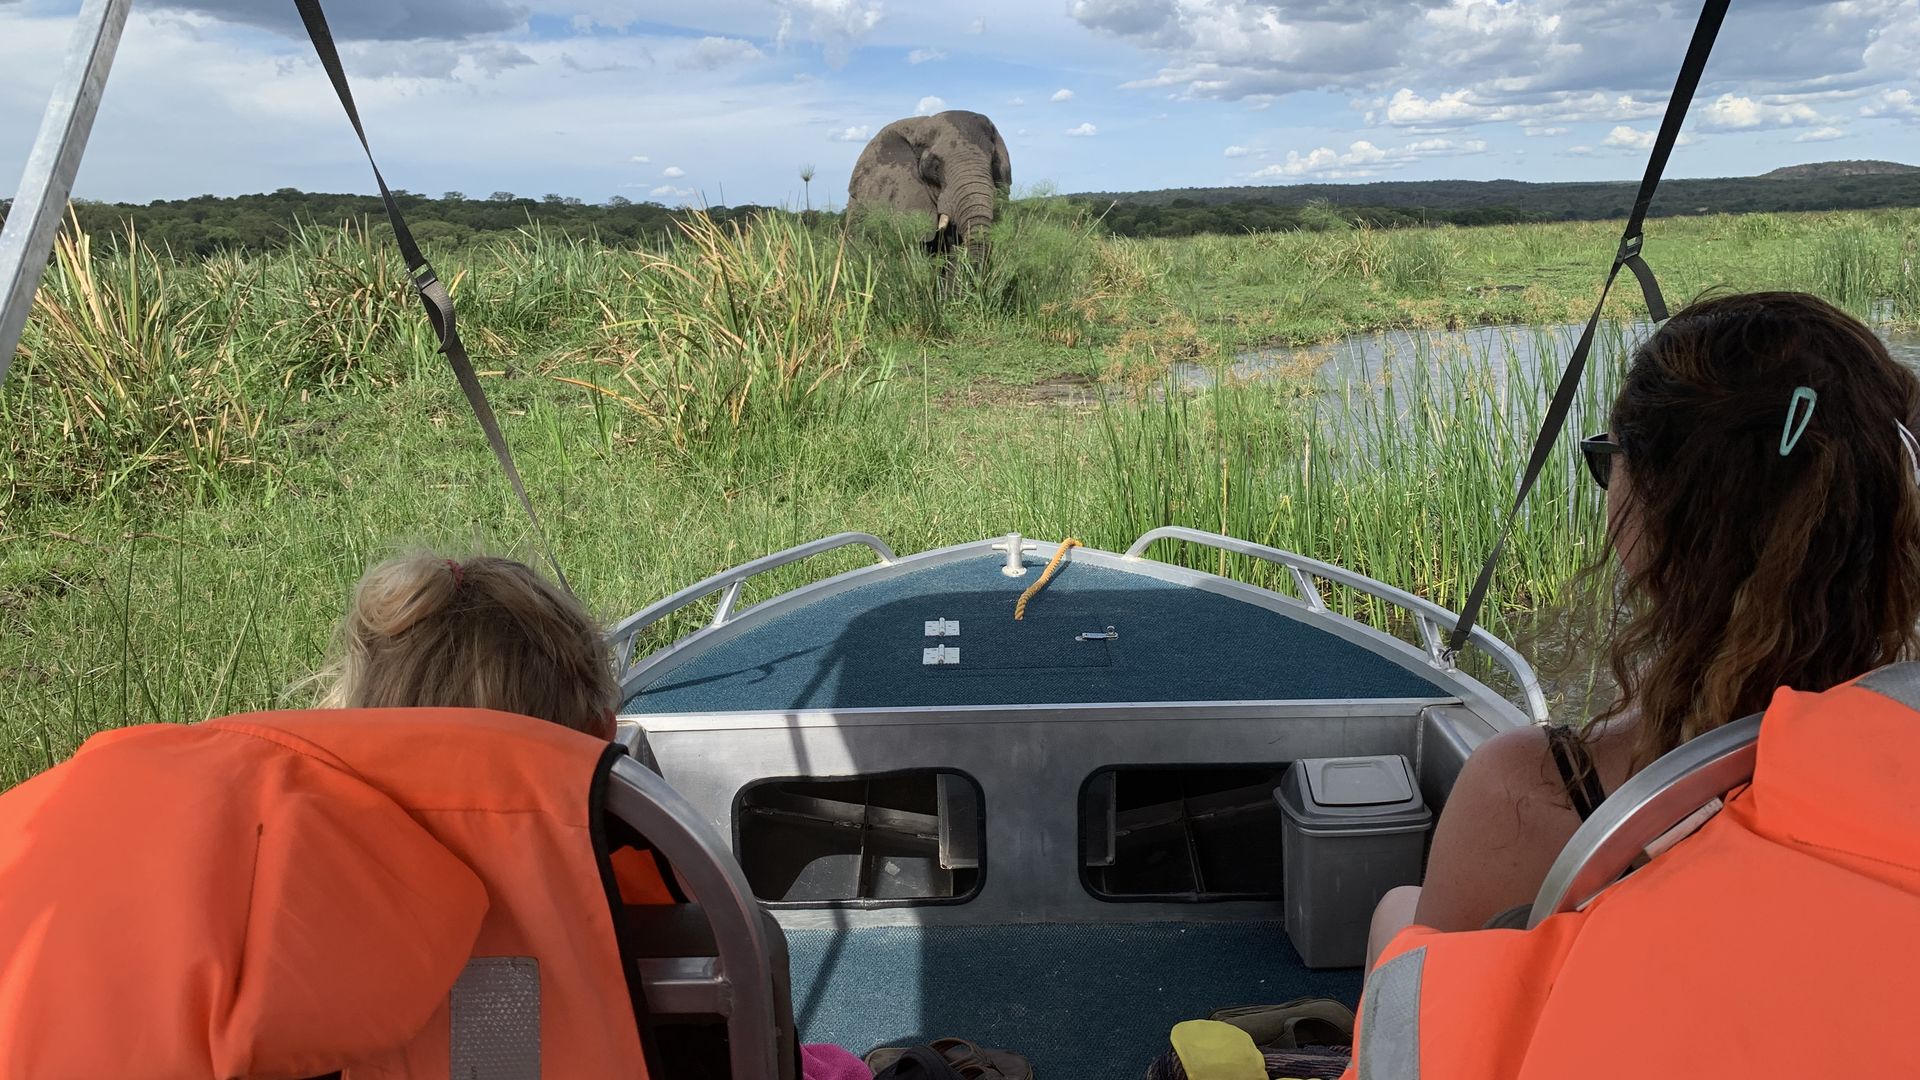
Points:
x=1599 y=451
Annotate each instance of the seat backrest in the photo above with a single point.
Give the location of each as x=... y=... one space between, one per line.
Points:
x=1655 y=808
x=719 y=956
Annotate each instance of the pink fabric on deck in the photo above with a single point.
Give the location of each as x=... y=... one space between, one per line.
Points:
x=819 y=1061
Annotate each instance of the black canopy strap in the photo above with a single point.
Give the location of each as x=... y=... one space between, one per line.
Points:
x=1712 y=13
x=433 y=295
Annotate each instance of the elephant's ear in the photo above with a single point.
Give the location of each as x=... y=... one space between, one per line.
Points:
x=933 y=168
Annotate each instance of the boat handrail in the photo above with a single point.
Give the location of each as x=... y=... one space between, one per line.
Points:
x=728 y=584
x=1306 y=572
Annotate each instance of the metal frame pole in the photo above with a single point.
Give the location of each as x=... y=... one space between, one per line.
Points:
x=35 y=215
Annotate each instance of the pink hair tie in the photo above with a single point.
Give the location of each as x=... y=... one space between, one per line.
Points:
x=457 y=573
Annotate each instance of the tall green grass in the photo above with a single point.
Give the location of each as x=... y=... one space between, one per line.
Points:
x=201 y=457
x=763 y=324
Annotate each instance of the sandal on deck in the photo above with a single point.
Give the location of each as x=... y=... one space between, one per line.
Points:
x=1306 y=1021
x=961 y=1057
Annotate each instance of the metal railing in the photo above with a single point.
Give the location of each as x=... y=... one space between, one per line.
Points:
x=728 y=583
x=1682 y=788
x=1431 y=619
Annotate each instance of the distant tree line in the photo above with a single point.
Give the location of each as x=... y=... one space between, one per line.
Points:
x=252 y=223
x=1182 y=211
x=1191 y=217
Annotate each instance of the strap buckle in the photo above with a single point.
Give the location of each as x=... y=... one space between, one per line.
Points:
x=1630 y=248
x=424 y=278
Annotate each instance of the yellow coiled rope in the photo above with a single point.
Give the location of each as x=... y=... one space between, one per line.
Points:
x=1020 y=608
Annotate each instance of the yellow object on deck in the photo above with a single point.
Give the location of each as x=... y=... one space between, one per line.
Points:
x=1020 y=608
x=1212 y=1050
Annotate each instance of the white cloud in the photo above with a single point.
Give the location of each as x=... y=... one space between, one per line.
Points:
x=1627 y=138
x=670 y=192
x=1459 y=108
x=1896 y=103
x=1236 y=151
x=448 y=60
x=1436 y=65
x=1016 y=102
x=1825 y=134
x=929 y=105
x=978 y=26
x=1730 y=112
x=1580 y=151
x=925 y=56
x=673 y=172
x=1062 y=94
x=838 y=25
x=642 y=159
x=1452 y=107
x=714 y=53
x=856 y=133
x=1543 y=132
x=1365 y=158
x=1083 y=131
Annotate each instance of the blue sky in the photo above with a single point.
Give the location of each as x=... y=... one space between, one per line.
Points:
x=724 y=100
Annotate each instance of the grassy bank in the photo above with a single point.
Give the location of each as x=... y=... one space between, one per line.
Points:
x=202 y=457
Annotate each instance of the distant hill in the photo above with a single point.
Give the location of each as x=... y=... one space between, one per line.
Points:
x=1834 y=185
x=1827 y=170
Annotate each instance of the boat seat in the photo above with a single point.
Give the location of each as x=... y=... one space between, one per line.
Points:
x=713 y=967
x=1656 y=808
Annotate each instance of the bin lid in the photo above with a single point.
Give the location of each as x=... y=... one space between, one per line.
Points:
x=1352 y=794
x=1362 y=781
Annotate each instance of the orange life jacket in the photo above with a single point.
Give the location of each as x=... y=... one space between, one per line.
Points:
x=1777 y=941
x=290 y=894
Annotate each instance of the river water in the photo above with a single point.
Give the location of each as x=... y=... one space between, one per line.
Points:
x=1372 y=360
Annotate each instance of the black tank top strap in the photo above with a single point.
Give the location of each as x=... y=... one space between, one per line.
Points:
x=1577 y=773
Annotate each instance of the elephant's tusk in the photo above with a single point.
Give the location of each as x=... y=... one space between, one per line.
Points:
x=941 y=225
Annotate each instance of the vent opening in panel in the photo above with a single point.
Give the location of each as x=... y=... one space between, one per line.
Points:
x=898 y=838
x=1184 y=833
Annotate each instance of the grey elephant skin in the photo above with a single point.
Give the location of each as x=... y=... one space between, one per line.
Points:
x=947 y=167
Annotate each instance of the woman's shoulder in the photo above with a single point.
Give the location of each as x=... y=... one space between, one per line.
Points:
x=1520 y=764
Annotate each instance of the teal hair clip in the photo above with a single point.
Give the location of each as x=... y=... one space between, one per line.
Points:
x=1790 y=435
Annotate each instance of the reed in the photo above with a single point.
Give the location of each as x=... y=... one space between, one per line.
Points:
x=740 y=325
x=124 y=373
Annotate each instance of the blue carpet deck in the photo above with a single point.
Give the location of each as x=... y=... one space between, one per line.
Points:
x=861 y=649
x=1081 y=1002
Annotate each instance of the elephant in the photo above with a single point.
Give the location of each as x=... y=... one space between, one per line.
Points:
x=948 y=167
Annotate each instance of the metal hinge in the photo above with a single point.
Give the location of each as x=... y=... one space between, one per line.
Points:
x=1110 y=634
x=940 y=654
x=943 y=627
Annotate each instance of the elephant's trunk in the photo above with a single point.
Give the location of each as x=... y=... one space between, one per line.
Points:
x=969 y=198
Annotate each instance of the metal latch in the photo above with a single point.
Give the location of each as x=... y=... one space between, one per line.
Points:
x=943 y=627
x=1110 y=634
x=940 y=654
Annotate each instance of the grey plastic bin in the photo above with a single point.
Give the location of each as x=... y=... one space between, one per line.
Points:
x=1354 y=828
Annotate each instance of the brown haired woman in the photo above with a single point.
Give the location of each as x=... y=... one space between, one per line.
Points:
x=1763 y=498
x=486 y=633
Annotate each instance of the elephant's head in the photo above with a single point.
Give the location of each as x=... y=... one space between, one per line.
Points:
x=947 y=167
